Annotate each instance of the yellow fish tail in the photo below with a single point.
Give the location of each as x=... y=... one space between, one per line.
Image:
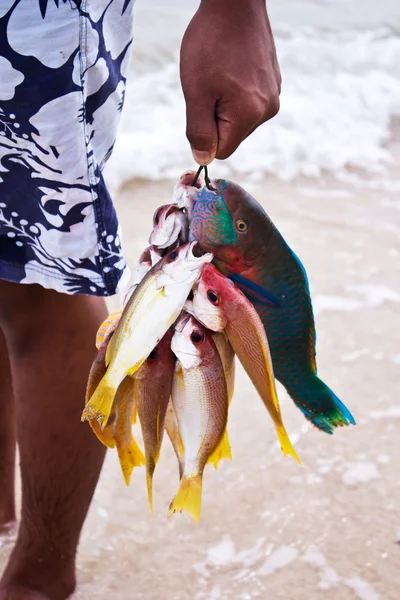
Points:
x=130 y=456
x=188 y=497
x=150 y=467
x=100 y=404
x=103 y=435
x=223 y=450
x=286 y=444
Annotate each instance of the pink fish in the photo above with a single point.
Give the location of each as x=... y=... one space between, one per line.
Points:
x=221 y=306
x=153 y=382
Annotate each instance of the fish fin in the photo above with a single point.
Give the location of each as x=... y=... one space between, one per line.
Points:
x=134 y=415
x=100 y=404
x=130 y=456
x=223 y=450
x=107 y=327
x=101 y=434
x=321 y=406
x=254 y=292
x=150 y=467
x=286 y=444
x=109 y=352
x=188 y=497
x=132 y=370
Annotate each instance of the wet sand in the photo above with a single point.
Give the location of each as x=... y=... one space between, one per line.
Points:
x=270 y=528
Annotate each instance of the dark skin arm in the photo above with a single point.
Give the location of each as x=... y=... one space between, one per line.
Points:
x=230 y=75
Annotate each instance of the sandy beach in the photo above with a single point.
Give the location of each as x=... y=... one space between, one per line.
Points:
x=270 y=528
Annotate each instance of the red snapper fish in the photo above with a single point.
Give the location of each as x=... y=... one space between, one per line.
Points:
x=221 y=306
x=153 y=384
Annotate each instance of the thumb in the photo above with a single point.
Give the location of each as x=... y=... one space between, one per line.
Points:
x=201 y=129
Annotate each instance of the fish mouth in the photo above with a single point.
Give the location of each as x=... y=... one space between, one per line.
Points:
x=167 y=230
x=187 y=190
x=188 y=179
x=172 y=209
x=187 y=359
x=197 y=255
x=181 y=321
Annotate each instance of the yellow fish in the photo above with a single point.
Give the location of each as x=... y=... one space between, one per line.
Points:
x=118 y=431
x=129 y=452
x=149 y=313
x=97 y=371
x=98 y=368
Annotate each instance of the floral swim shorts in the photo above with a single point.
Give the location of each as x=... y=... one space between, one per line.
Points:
x=63 y=68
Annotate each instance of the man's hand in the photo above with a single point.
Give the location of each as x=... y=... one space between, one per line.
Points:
x=230 y=75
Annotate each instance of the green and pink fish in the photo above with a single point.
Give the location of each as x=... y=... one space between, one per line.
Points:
x=249 y=249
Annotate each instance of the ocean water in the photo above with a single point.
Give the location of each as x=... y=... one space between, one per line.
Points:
x=340 y=62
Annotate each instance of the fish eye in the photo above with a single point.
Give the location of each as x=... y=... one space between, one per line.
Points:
x=197 y=337
x=172 y=256
x=241 y=225
x=153 y=354
x=213 y=297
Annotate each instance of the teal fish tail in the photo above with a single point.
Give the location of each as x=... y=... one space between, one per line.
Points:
x=321 y=406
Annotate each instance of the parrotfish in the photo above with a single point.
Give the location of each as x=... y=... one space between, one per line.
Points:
x=153 y=383
x=149 y=313
x=249 y=249
x=200 y=400
x=221 y=306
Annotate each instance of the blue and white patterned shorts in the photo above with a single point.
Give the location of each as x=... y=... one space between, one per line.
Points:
x=63 y=68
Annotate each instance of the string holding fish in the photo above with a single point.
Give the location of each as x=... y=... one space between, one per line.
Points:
x=206 y=177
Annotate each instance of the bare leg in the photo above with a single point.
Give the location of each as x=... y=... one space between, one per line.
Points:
x=50 y=339
x=7 y=440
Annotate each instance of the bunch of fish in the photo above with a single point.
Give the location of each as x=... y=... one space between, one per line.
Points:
x=218 y=279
